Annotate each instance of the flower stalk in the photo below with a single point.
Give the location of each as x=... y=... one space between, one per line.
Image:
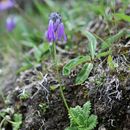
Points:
x=53 y=53
x=63 y=97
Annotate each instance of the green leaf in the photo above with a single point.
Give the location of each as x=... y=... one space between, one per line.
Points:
x=73 y=63
x=87 y=108
x=92 y=122
x=81 y=119
x=92 y=43
x=17 y=121
x=24 y=67
x=2 y=114
x=74 y=114
x=112 y=65
x=28 y=43
x=110 y=62
x=122 y=16
x=103 y=54
x=113 y=39
x=84 y=73
x=37 y=53
x=44 y=47
x=40 y=7
x=71 y=128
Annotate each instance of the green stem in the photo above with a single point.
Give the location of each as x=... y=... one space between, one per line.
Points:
x=63 y=97
x=54 y=56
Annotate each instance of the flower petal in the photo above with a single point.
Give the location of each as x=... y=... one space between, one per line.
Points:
x=56 y=24
x=50 y=32
x=61 y=32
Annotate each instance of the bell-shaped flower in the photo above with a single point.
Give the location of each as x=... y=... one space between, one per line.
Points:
x=5 y=4
x=10 y=23
x=50 y=33
x=61 y=33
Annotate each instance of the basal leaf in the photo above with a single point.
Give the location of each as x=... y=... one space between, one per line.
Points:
x=112 y=39
x=103 y=54
x=37 y=53
x=28 y=43
x=84 y=73
x=122 y=16
x=73 y=63
x=92 y=43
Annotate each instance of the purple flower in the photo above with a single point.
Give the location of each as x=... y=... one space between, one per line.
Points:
x=55 y=30
x=50 y=32
x=5 y=4
x=10 y=23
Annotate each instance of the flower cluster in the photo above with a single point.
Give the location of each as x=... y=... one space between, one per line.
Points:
x=55 y=30
x=5 y=4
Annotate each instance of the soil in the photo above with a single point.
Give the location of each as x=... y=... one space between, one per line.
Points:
x=108 y=92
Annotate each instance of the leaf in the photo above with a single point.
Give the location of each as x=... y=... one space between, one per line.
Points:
x=103 y=54
x=87 y=108
x=71 y=128
x=92 y=43
x=113 y=39
x=122 y=16
x=92 y=122
x=73 y=115
x=40 y=7
x=73 y=63
x=24 y=67
x=17 y=121
x=110 y=62
x=84 y=73
x=37 y=53
x=44 y=47
x=112 y=65
x=28 y=43
x=78 y=120
x=2 y=114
